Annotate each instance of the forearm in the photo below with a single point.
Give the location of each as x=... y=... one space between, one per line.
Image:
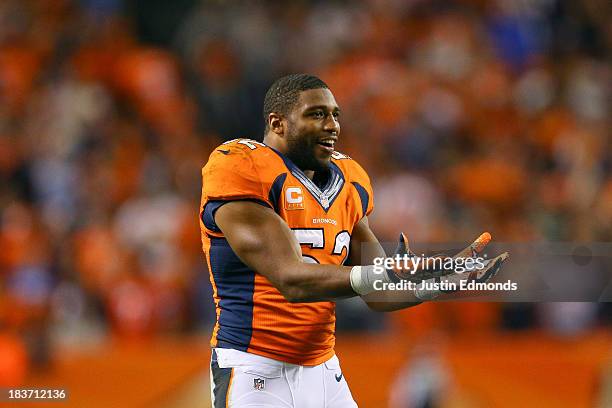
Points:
x=297 y=280
x=304 y=282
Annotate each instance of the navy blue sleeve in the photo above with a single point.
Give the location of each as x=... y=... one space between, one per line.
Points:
x=211 y=207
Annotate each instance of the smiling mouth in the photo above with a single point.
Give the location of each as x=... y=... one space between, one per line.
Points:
x=328 y=144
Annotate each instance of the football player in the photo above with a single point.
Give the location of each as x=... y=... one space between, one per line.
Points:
x=279 y=222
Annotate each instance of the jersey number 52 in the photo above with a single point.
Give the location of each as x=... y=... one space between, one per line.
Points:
x=315 y=238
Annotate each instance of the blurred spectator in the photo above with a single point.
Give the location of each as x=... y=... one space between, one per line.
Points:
x=425 y=380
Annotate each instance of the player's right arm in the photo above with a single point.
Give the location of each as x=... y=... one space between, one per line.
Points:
x=264 y=242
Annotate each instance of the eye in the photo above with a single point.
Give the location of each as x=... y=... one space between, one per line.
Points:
x=336 y=114
x=317 y=114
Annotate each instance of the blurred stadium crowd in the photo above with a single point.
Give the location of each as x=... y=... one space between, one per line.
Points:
x=468 y=115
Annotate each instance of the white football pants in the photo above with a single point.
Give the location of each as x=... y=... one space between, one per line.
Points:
x=239 y=379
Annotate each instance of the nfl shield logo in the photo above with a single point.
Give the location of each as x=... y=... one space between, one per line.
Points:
x=259 y=384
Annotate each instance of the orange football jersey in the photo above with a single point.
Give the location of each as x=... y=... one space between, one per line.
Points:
x=252 y=315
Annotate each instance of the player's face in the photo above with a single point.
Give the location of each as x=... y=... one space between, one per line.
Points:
x=313 y=129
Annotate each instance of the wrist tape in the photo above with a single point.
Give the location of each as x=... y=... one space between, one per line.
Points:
x=362 y=279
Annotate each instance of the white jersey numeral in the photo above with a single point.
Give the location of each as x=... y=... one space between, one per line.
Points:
x=315 y=238
x=343 y=240
x=252 y=144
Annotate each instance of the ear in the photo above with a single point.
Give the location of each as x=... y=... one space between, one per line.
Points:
x=276 y=123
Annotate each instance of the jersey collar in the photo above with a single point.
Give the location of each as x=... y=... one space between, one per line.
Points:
x=325 y=196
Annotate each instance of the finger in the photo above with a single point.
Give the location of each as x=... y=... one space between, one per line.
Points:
x=481 y=242
x=476 y=247
x=404 y=239
x=492 y=268
x=402 y=246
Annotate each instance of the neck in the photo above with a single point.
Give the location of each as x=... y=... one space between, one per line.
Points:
x=271 y=139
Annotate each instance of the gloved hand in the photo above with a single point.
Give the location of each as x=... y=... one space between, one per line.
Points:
x=420 y=269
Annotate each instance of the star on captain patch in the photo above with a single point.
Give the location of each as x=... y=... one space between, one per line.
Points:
x=259 y=384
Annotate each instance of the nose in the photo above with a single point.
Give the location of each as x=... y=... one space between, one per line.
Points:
x=331 y=124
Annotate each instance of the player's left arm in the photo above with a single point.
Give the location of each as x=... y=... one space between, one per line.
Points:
x=365 y=247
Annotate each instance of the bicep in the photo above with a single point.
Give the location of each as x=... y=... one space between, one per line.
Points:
x=259 y=237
